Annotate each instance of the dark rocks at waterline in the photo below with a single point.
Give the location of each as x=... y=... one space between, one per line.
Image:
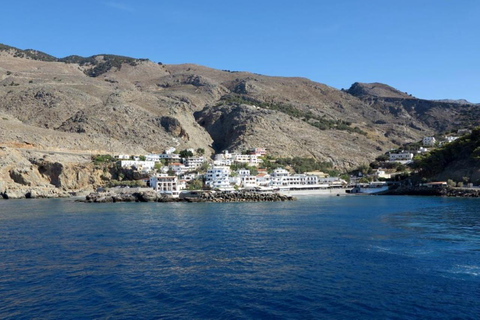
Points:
x=429 y=191
x=152 y=196
x=242 y=196
x=143 y=196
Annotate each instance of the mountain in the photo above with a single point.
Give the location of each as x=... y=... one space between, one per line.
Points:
x=78 y=106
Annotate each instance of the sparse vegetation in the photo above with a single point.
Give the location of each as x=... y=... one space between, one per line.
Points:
x=466 y=149
x=102 y=158
x=321 y=123
x=126 y=183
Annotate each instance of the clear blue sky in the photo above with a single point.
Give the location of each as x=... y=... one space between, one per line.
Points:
x=429 y=48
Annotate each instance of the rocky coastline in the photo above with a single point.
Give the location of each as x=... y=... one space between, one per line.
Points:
x=428 y=191
x=207 y=196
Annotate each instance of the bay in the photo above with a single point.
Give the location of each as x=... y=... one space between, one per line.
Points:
x=361 y=257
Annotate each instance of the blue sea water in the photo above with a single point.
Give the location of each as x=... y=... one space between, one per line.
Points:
x=353 y=257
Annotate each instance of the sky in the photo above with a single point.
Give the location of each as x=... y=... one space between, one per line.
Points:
x=428 y=48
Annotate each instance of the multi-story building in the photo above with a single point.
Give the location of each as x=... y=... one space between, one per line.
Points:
x=258 y=151
x=249 y=181
x=243 y=172
x=263 y=179
x=222 y=162
x=139 y=165
x=428 y=141
x=178 y=168
x=250 y=159
x=165 y=184
x=401 y=156
x=450 y=139
x=218 y=177
x=193 y=162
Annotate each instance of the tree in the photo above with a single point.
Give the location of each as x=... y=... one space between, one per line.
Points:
x=186 y=153
x=200 y=151
x=196 y=184
x=142 y=158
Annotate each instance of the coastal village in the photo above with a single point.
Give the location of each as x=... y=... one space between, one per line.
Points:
x=176 y=172
x=172 y=173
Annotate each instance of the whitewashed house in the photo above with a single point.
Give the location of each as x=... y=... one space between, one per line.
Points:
x=178 y=168
x=193 y=162
x=225 y=155
x=401 y=156
x=428 y=141
x=153 y=157
x=250 y=159
x=139 y=165
x=243 y=172
x=450 y=139
x=277 y=176
x=263 y=179
x=222 y=162
x=249 y=182
x=170 y=150
x=218 y=178
x=165 y=184
x=258 y=151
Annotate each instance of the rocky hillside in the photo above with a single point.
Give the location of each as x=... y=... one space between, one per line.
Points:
x=459 y=160
x=113 y=104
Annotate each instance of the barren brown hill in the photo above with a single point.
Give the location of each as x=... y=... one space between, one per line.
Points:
x=113 y=104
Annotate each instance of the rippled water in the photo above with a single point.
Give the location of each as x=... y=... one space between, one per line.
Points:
x=327 y=257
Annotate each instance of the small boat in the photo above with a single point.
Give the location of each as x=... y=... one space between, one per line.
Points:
x=370 y=188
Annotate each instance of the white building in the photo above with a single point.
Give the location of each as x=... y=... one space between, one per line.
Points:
x=243 y=172
x=169 y=156
x=277 y=176
x=170 y=150
x=178 y=168
x=123 y=157
x=249 y=181
x=333 y=181
x=153 y=157
x=225 y=155
x=139 y=165
x=165 y=184
x=298 y=179
x=401 y=156
x=422 y=150
x=193 y=162
x=428 y=141
x=263 y=179
x=382 y=174
x=258 y=151
x=250 y=159
x=218 y=177
x=450 y=139
x=222 y=162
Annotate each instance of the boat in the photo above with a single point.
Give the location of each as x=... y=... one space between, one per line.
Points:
x=370 y=188
x=310 y=190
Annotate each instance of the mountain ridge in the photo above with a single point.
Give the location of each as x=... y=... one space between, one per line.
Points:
x=125 y=100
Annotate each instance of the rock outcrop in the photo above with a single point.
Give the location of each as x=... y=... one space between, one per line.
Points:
x=112 y=196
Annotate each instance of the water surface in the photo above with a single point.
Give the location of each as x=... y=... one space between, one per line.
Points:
x=326 y=257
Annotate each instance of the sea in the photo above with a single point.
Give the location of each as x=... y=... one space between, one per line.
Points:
x=327 y=257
